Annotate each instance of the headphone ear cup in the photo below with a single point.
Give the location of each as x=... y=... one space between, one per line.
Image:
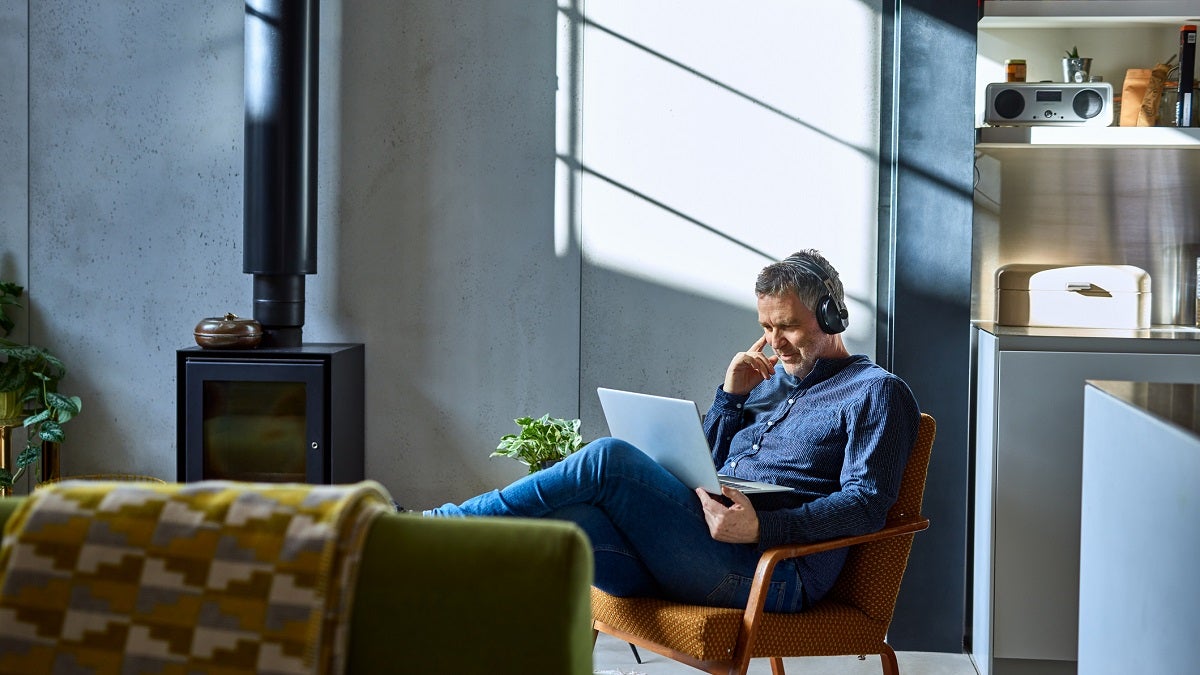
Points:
x=829 y=318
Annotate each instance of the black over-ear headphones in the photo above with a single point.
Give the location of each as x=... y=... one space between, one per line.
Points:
x=831 y=313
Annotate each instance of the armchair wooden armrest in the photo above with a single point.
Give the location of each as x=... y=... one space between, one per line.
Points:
x=774 y=555
x=891 y=528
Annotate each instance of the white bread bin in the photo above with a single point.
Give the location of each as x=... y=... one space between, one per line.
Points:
x=1075 y=296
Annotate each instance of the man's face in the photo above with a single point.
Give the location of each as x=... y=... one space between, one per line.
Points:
x=792 y=331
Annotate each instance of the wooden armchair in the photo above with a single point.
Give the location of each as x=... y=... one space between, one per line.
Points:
x=852 y=618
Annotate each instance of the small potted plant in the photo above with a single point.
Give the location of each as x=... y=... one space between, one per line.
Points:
x=1076 y=68
x=29 y=377
x=542 y=441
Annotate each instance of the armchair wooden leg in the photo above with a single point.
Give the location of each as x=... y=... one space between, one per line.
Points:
x=596 y=634
x=776 y=666
x=888 y=659
x=637 y=657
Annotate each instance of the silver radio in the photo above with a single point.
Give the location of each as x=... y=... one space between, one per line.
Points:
x=1049 y=104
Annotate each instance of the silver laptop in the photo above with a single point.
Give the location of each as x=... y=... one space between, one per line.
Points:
x=669 y=430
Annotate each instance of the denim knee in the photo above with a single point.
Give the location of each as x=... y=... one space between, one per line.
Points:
x=610 y=457
x=614 y=449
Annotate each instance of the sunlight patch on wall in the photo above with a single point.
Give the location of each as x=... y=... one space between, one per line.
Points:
x=566 y=115
x=637 y=239
x=715 y=138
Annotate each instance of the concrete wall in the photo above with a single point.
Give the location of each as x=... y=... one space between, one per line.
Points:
x=438 y=244
x=135 y=203
x=14 y=157
x=518 y=202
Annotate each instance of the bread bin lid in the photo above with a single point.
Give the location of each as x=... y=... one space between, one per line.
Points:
x=1078 y=278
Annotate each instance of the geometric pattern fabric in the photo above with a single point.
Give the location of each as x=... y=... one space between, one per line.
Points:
x=211 y=577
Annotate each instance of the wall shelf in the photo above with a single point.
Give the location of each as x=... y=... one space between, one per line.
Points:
x=1117 y=35
x=1134 y=137
x=1000 y=14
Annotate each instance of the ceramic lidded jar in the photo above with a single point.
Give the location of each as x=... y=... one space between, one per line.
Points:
x=228 y=332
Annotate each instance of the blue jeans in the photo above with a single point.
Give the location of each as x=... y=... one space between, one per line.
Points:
x=647 y=529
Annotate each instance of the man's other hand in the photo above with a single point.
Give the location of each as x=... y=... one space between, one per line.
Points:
x=733 y=524
x=749 y=368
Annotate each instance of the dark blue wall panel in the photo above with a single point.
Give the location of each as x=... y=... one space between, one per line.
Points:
x=925 y=278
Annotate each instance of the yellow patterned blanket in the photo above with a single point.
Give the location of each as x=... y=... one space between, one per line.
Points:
x=210 y=577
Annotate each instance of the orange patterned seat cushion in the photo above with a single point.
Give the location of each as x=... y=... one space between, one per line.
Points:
x=710 y=633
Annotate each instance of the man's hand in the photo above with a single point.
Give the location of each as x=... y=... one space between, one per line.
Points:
x=749 y=368
x=734 y=524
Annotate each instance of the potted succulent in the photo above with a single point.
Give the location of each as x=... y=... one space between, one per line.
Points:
x=1075 y=68
x=29 y=377
x=542 y=441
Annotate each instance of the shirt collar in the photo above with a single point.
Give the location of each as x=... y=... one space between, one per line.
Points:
x=824 y=369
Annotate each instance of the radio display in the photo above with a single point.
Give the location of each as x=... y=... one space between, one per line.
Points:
x=1049 y=95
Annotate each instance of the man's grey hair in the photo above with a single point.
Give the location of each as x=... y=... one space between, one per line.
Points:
x=788 y=275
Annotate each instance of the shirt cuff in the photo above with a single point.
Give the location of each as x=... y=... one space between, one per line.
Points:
x=772 y=529
x=729 y=403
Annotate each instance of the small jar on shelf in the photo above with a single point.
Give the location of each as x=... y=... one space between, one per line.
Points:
x=1014 y=70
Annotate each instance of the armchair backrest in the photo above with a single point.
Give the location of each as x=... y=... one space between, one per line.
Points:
x=870 y=578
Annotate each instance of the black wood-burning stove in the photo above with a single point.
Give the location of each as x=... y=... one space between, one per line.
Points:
x=271 y=415
x=287 y=411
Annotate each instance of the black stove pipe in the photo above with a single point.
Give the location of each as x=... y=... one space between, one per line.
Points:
x=280 y=221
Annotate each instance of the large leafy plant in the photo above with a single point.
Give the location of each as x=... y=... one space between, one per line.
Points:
x=541 y=441
x=29 y=377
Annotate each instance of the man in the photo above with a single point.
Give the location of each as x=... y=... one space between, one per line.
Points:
x=835 y=428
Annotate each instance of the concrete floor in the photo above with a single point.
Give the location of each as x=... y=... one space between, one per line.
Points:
x=613 y=657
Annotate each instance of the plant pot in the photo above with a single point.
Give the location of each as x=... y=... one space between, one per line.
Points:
x=10 y=408
x=547 y=463
x=1077 y=70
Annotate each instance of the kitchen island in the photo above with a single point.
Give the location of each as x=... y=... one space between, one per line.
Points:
x=1139 y=594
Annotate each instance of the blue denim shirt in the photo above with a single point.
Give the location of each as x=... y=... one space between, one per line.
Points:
x=840 y=438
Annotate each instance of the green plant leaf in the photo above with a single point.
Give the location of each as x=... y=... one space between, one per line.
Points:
x=51 y=432
x=9 y=293
x=30 y=455
x=66 y=404
x=64 y=415
x=37 y=417
x=33 y=373
x=54 y=366
x=12 y=378
x=541 y=440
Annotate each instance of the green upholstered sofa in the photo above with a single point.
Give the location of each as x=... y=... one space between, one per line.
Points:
x=473 y=595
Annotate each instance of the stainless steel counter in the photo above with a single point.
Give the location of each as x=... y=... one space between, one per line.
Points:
x=1176 y=404
x=1156 y=339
